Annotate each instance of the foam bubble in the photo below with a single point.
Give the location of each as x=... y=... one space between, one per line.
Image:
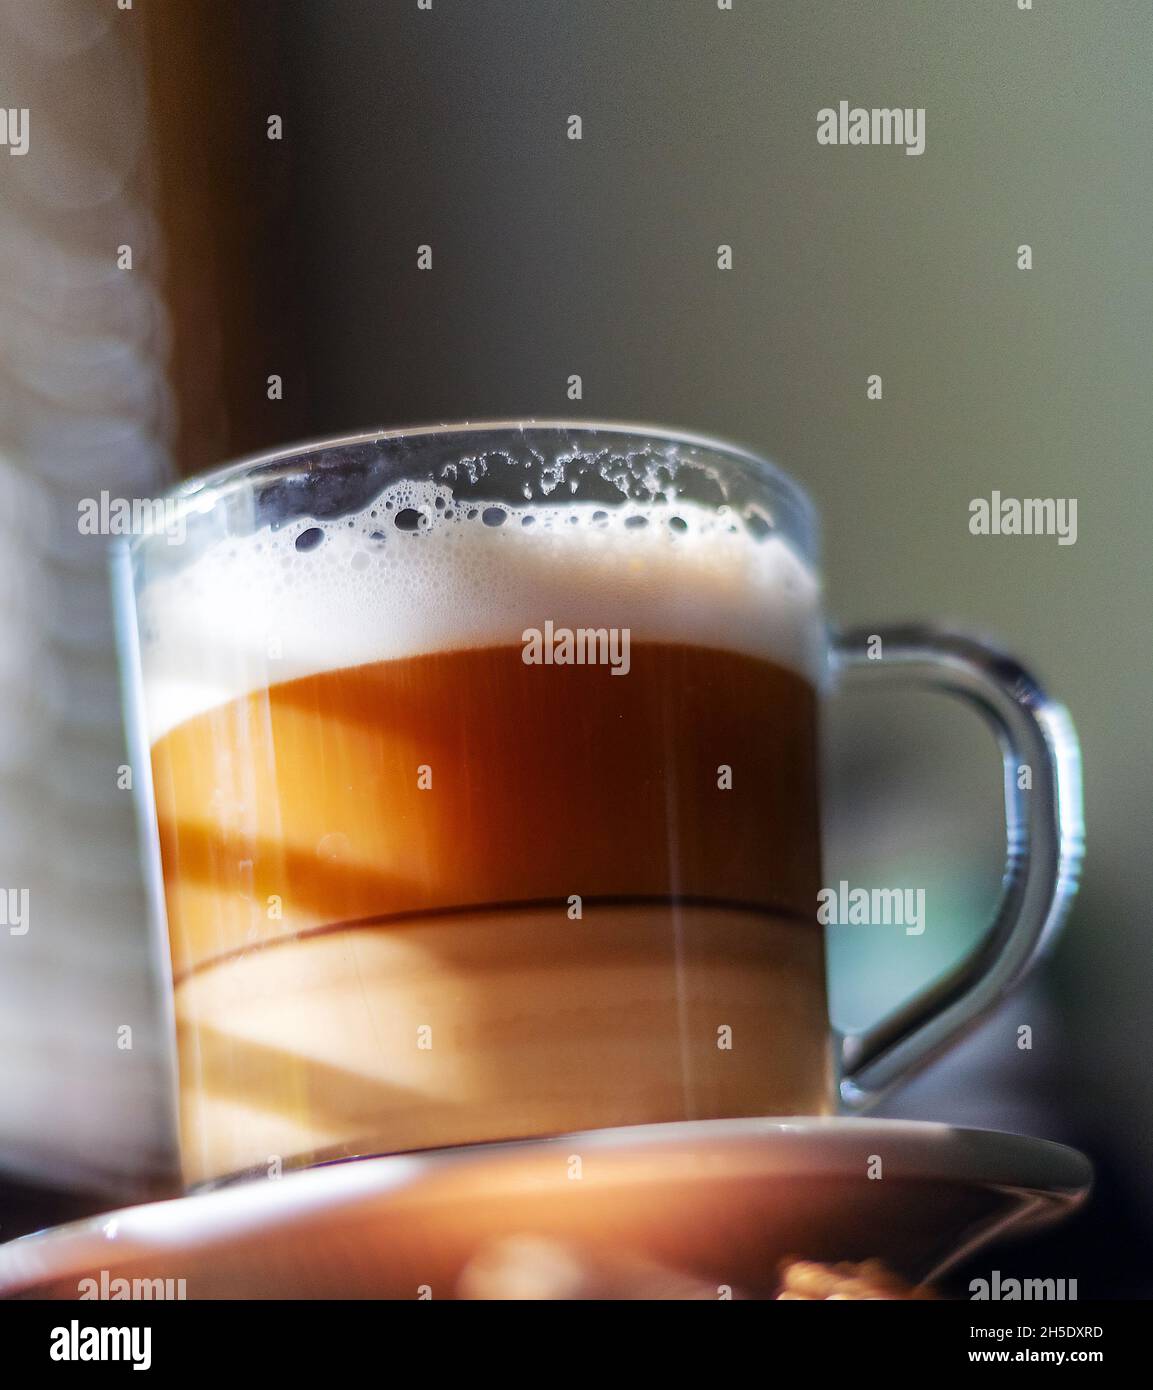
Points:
x=419 y=571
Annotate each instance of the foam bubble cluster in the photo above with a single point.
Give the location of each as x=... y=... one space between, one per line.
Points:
x=419 y=571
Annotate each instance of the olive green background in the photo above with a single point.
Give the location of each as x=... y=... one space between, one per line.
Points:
x=598 y=257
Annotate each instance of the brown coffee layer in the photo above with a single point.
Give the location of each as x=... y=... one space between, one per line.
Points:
x=407 y=787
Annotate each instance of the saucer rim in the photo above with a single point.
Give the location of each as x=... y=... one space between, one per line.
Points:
x=1055 y=1176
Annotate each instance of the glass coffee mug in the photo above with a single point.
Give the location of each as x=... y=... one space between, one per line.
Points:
x=484 y=794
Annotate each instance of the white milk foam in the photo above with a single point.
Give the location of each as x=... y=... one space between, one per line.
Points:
x=256 y=611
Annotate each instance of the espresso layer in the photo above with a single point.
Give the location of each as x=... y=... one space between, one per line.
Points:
x=460 y=779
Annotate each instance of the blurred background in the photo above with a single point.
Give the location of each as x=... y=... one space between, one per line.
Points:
x=250 y=257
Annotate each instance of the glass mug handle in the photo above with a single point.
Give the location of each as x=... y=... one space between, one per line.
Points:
x=1044 y=840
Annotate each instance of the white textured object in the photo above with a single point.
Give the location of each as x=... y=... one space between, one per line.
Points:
x=82 y=408
x=366 y=591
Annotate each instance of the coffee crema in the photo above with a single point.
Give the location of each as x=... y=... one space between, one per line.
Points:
x=421 y=892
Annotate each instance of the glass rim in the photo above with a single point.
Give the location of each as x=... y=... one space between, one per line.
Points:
x=283 y=461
